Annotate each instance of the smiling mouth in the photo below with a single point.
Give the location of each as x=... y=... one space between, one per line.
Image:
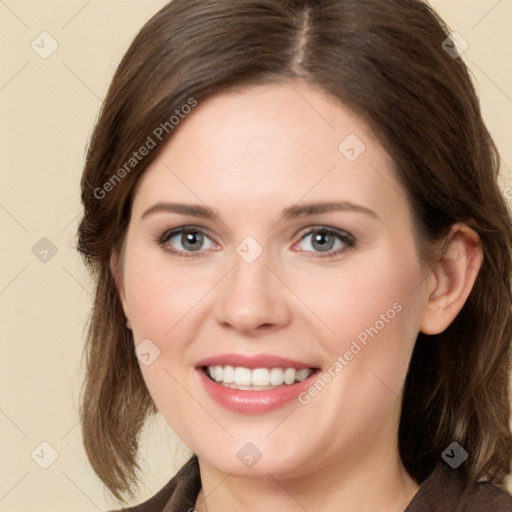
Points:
x=256 y=379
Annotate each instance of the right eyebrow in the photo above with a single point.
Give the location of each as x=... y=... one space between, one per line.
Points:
x=194 y=210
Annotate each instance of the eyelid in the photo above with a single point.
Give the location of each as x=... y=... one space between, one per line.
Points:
x=188 y=227
x=337 y=231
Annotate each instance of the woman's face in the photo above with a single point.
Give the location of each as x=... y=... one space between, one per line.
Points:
x=265 y=296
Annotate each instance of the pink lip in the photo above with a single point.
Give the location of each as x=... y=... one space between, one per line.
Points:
x=252 y=402
x=257 y=361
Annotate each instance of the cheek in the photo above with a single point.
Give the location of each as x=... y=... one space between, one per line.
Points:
x=374 y=312
x=374 y=317
x=376 y=298
x=161 y=306
x=159 y=295
x=163 y=302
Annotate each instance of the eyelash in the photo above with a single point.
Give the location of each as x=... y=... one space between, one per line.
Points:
x=347 y=239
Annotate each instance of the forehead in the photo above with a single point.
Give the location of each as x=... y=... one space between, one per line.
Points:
x=271 y=144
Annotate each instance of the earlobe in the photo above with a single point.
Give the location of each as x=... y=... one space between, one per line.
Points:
x=452 y=279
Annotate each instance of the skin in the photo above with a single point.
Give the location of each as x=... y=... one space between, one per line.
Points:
x=249 y=154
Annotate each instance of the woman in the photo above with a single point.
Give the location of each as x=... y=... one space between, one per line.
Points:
x=238 y=143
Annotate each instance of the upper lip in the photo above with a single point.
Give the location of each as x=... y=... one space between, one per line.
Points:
x=254 y=361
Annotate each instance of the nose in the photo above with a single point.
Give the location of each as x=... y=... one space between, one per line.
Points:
x=251 y=298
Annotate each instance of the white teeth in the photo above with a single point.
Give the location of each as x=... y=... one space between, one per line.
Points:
x=276 y=376
x=229 y=374
x=289 y=375
x=242 y=376
x=258 y=378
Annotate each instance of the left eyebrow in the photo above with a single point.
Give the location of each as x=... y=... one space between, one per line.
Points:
x=325 y=207
x=292 y=212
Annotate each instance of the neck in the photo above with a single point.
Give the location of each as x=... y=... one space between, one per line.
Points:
x=377 y=481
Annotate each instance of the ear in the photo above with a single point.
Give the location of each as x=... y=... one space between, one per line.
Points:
x=116 y=269
x=452 y=278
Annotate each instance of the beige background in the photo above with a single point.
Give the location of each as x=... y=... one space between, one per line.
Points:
x=48 y=107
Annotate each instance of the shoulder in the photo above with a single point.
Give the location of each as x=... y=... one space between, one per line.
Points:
x=444 y=491
x=489 y=498
x=179 y=493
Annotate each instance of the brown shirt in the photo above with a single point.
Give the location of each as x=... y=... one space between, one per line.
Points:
x=440 y=492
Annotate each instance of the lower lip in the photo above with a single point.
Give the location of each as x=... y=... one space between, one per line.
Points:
x=253 y=402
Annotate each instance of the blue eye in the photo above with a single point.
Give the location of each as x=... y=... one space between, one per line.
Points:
x=190 y=238
x=326 y=242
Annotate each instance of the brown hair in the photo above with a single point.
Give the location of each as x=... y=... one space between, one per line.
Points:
x=385 y=60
